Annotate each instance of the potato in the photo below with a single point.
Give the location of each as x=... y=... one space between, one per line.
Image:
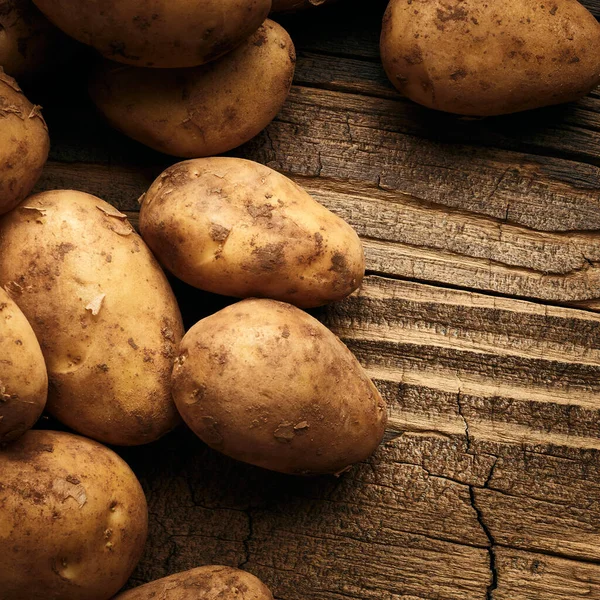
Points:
x=265 y=383
x=293 y=5
x=488 y=58
x=173 y=34
x=29 y=43
x=202 y=583
x=103 y=311
x=238 y=228
x=202 y=111
x=23 y=377
x=24 y=144
x=73 y=522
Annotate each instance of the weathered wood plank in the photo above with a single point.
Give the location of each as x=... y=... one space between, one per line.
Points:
x=347 y=137
x=571 y=131
x=407 y=237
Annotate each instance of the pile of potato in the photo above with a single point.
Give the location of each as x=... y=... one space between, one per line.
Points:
x=90 y=329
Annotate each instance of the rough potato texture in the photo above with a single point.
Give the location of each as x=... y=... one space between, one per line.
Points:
x=292 y=5
x=203 y=583
x=73 y=522
x=29 y=43
x=489 y=58
x=159 y=33
x=103 y=311
x=265 y=383
x=23 y=377
x=24 y=144
x=203 y=111
x=238 y=228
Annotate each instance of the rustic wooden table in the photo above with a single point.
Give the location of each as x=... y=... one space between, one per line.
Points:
x=478 y=320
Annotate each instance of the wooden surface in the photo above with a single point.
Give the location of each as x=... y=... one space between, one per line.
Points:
x=477 y=320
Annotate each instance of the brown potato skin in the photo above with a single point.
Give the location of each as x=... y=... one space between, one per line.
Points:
x=203 y=111
x=65 y=256
x=294 y=5
x=29 y=43
x=237 y=228
x=73 y=521
x=159 y=33
x=24 y=144
x=265 y=383
x=476 y=58
x=23 y=376
x=203 y=582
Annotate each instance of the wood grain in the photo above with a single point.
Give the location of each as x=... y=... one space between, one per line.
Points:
x=482 y=244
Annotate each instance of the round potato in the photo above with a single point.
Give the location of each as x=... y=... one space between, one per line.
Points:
x=267 y=384
x=29 y=43
x=162 y=33
x=238 y=228
x=103 y=311
x=488 y=58
x=293 y=5
x=23 y=377
x=203 y=582
x=203 y=111
x=73 y=522
x=24 y=144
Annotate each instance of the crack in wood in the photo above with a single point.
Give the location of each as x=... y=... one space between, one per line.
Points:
x=491 y=548
x=462 y=416
x=246 y=541
x=576 y=305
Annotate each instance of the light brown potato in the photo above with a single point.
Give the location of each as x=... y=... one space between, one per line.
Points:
x=29 y=43
x=203 y=111
x=73 y=522
x=293 y=5
x=202 y=583
x=267 y=384
x=23 y=377
x=238 y=228
x=489 y=58
x=24 y=144
x=162 y=33
x=103 y=311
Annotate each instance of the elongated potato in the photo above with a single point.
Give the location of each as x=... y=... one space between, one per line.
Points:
x=23 y=377
x=265 y=383
x=238 y=228
x=490 y=58
x=203 y=582
x=162 y=33
x=103 y=311
x=24 y=144
x=29 y=43
x=73 y=522
x=203 y=111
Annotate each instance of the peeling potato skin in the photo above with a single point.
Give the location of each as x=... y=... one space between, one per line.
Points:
x=24 y=144
x=475 y=58
x=237 y=228
x=203 y=582
x=203 y=111
x=265 y=383
x=158 y=33
x=280 y=6
x=23 y=377
x=29 y=43
x=73 y=522
x=103 y=311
